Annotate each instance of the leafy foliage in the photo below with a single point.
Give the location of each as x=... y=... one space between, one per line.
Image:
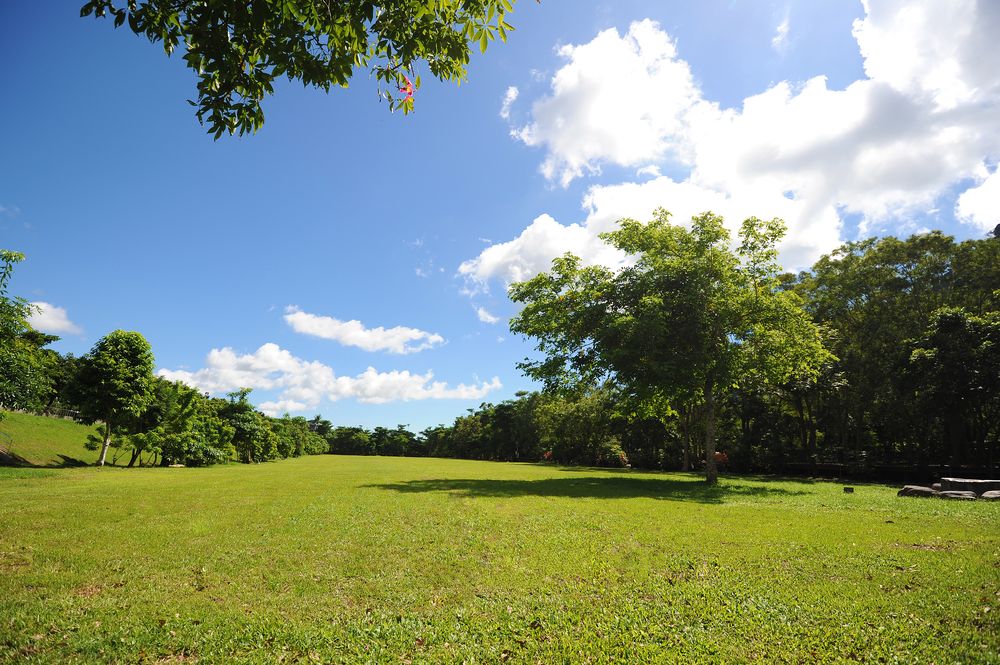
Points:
x=24 y=362
x=687 y=320
x=238 y=48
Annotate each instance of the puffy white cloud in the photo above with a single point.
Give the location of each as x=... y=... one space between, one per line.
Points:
x=380 y=387
x=618 y=98
x=509 y=98
x=980 y=205
x=51 y=319
x=943 y=50
x=926 y=118
x=485 y=316
x=398 y=339
x=304 y=384
x=533 y=250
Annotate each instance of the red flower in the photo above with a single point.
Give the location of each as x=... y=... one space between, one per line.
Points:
x=408 y=89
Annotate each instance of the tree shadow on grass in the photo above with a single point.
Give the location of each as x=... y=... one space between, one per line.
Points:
x=8 y=458
x=700 y=474
x=67 y=461
x=595 y=487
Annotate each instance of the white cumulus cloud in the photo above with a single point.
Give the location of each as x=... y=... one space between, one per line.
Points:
x=304 y=384
x=51 y=319
x=619 y=98
x=980 y=205
x=485 y=316
x=398 y=339
x=926 y=118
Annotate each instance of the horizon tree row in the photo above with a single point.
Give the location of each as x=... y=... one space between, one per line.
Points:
x=884 y=356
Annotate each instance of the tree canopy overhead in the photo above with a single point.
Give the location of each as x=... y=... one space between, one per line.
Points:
x=238 y=47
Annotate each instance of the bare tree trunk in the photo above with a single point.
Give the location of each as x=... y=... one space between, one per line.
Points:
x=711 y=472
x=107 y=444
x=686 y=436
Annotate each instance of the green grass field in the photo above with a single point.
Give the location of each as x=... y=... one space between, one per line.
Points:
x=394 y=560
x=27 y=440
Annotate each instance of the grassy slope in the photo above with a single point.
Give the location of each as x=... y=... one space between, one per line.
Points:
x=353 y=559
x=38 y=441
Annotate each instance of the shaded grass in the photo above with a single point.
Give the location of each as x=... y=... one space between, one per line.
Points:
x=596 y=486
x=27 y=440
x=353 y=559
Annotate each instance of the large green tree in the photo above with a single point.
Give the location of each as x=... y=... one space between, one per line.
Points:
x=954 y=369
x=239 y=47
x=115 y=383
x=687 y=321
x=24 y=364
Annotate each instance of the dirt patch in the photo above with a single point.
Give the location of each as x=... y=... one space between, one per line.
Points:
x=88 y=591
x=12 y=560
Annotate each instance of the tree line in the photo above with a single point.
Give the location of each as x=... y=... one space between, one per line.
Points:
x=884 y=357
x=882 y=360
x=139 y=417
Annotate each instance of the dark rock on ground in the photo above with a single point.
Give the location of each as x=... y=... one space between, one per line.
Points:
x=969 y=485
x=957 y=494
x=916 y=490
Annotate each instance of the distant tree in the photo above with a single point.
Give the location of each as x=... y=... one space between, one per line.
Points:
x=514 y=428
x=296 y=437
x=178 y=427
x=238 y=48
x=686 y=322
x=579 y=430
x=955 y=370
x=395 y=442
x=115 y=384
x=252 y=436
x=321 y=426
x=351 y=441
x=437 y=441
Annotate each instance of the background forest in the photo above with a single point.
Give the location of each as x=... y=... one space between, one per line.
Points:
x=913 y=326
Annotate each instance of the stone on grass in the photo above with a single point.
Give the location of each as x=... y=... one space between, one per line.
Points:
x=958 y=494
x=916 y=490
x=992 y=495
x=969 y=485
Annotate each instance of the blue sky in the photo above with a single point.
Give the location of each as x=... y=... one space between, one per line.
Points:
x=244 y=261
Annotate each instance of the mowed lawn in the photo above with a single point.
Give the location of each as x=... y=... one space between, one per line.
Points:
x=395 y=560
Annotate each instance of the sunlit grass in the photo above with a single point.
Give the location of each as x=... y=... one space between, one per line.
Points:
x=31 y=440
x=352 y=559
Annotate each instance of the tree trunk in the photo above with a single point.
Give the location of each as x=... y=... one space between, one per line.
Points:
x=135 y=456
x=686 y=437
x=107 y=444
x=711 y=472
